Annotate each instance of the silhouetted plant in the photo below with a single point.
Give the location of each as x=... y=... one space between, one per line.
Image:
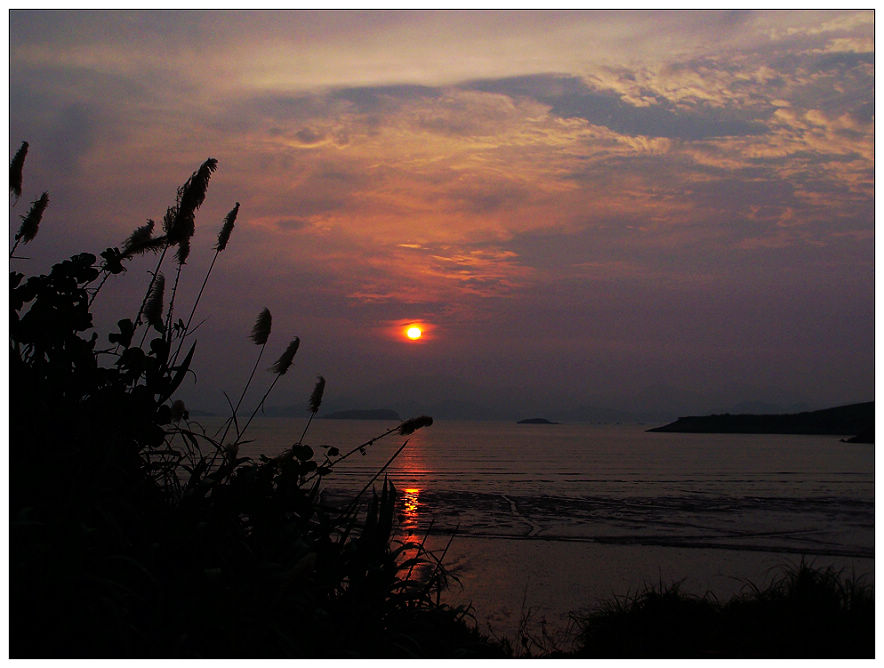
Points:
x=804 y=612
x=30 y=222
x=314 y=404
x=15 y=171
x=134 y=533
x=223 y=238
x=260 y=334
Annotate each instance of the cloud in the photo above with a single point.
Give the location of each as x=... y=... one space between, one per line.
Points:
x=465 y=163
x=308 y=136
x=445 y=275
x=570 y=97
x=289 y=223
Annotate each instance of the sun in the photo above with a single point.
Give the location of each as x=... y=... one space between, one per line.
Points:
x=414 y=332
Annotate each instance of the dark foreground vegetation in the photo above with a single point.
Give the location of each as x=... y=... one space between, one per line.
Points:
x=804 y=612
x=134 y=532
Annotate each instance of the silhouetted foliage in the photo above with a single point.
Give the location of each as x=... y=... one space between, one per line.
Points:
x=15 y=170
x=30 y=222
x=134 y=533
x=803 y=613
x=227 y=228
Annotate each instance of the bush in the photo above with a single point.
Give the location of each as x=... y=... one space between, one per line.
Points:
x=804 y=612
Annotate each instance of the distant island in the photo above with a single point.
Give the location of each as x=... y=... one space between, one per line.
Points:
x=536 y=421
x=843 y=420
x=363 y=414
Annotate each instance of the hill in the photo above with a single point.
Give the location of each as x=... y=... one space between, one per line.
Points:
x=842 y=420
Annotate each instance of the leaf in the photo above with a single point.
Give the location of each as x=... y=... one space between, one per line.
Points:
x=181 y=370
x=124 y=338
x=303 y=452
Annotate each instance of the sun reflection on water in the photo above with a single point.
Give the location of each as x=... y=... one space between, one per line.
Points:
x=409 y=508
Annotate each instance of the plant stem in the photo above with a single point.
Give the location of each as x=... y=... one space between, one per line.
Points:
x=368 y=443
x=243 y=394
x=306 y=427
x=172 y=305
x=103 y=281
x=259 y=406
x=193 y=310
x=355 y=500
x=153 y=279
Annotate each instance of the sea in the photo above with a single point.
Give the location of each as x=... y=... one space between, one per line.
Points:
x=539 y=522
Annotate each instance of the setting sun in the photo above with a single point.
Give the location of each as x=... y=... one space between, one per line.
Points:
x=413 y=333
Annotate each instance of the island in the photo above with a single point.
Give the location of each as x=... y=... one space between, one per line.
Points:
x=536 y=421
x=841 y=420
x=364 y=414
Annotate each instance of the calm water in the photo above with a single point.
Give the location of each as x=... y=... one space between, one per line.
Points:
x=548 y=517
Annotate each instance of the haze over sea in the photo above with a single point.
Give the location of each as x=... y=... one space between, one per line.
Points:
x=556 y=517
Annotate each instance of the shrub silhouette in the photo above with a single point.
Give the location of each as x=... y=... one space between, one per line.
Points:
x=134 y=533
x=804 y=612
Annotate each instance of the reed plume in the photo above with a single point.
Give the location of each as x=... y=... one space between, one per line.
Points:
x=226 y=229
x=412 y=425
x=183 y=250
x=261 y=330
x=315 y=401
x=153 y=279
x=153 y=307
x=179 y=219
x=316 y=396
x=178 y=222
x=141 y=241
x=31 y=222
x=15 y=171
x=282 y=365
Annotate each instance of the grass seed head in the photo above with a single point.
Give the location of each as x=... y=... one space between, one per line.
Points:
x=30 y=222
x=282 y=365
x=412 y=425
x=153 y=307
x=316 y=397
x=226 y=229
x=261 y=330
x=15 y=170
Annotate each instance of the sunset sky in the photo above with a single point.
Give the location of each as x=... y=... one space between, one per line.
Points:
x=655 y=212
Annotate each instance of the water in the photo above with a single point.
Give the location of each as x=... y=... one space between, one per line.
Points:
x=549 y=518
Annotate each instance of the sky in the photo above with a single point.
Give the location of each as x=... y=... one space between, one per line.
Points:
x=592 y=214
